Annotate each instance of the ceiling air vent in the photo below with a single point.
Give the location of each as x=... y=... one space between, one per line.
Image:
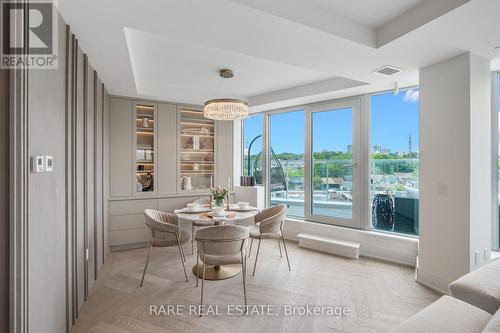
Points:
x=387 y=70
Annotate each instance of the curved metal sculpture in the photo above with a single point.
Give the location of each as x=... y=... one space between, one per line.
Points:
x=277 y=176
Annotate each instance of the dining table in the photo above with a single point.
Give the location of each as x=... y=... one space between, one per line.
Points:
x=234 y=215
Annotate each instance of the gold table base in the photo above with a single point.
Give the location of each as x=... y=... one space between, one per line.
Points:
x=217 y=272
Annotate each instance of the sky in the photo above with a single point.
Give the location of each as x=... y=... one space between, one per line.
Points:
x=393 y=118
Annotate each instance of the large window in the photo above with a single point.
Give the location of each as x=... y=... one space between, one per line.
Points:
x=497 y=129
x=332 y=163
x=323 y=165
x=252 y=154
x=286 y=161
x=394 y=161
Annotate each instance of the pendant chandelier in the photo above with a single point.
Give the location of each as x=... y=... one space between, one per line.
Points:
x=225 y=108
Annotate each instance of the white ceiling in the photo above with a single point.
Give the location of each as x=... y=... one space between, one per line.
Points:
x=371 y=13
x=283 y=52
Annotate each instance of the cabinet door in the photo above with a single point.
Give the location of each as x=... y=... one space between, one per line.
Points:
x=121 y=147
x=167 y=149
x=224 y=152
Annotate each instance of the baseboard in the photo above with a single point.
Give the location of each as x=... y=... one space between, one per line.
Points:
x=383 y=246
x=433 y=282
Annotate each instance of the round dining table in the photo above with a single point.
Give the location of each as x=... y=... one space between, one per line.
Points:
x=233 y=216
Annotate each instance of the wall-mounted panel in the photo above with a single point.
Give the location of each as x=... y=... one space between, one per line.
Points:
x=121 y=147
x=46 y=197
x=98 y=174
x=224 y=149
x=167 y=148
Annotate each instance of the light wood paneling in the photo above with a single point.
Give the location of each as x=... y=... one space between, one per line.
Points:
x=167 y=148
x=4 y=200
x=130 y=236
x=46 y=209
x=106 y=178
x=79 y=174
x=89 y=172
x=127 y=207
x=98 y=174
x=122 y=222
x=121 y=154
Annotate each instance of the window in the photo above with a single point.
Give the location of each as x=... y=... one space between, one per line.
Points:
x=322 y=165
x=332 y=163
x=286 y=161
x=252 y=140
x=497 y=128
x=395 y=161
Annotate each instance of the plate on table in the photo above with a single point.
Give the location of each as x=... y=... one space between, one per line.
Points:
x=225 y=214
x=237 y=208
x=192 y=211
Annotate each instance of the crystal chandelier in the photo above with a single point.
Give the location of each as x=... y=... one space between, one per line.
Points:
x=226 y=108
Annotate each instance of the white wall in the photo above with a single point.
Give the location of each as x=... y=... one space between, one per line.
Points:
x=455 y=211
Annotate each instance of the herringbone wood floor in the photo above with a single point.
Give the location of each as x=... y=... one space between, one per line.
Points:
x=380 y=294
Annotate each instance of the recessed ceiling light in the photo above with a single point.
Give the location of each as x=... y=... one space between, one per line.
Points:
x=387 y=70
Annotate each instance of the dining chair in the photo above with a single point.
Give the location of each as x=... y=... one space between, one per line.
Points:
x=201 y=201
x=221 y=245
x=165 y=232
x=269 y=225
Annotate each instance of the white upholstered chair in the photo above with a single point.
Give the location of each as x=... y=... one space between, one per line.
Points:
x=201 y=201
x=165 y=232
x=269 y=225
x=221 y=245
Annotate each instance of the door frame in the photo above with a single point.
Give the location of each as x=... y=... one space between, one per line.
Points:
x=357 y=183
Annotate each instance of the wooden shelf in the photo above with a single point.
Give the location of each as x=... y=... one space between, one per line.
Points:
x=197 y=151
x=197 y=123
x=200 y=135
x=145 y=133
x=147 y=129
x=197 y=173
x=199 y=162
x=145 y=115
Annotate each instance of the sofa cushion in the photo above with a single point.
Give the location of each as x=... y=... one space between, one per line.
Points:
x=494 y=324
x=447 y=314
x=480 y=287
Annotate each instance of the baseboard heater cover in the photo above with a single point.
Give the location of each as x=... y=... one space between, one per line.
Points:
x=329 y=245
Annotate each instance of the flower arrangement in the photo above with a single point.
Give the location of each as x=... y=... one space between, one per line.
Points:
x=219 y=193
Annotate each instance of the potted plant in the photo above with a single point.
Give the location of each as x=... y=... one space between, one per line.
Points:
x=219 y=193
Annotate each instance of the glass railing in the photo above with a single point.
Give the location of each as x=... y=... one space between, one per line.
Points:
x=393 y=180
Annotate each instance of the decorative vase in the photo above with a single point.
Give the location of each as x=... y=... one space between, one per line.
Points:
x=219 y=202
x=383 y=212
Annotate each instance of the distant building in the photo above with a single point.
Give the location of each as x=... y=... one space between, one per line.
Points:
x=377 y=148
x=349 y=148
x=385 y=151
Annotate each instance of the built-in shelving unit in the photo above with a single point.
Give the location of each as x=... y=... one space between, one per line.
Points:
x=197 y=150
x=145 y=132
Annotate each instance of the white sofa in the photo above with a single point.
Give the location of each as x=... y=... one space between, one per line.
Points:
x=480 y=288
x=474 y=307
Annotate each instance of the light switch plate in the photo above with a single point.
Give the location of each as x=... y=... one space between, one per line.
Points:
x=37 y=164
x=49 y=163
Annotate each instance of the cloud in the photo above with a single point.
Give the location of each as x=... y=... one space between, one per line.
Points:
x=411 y=96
